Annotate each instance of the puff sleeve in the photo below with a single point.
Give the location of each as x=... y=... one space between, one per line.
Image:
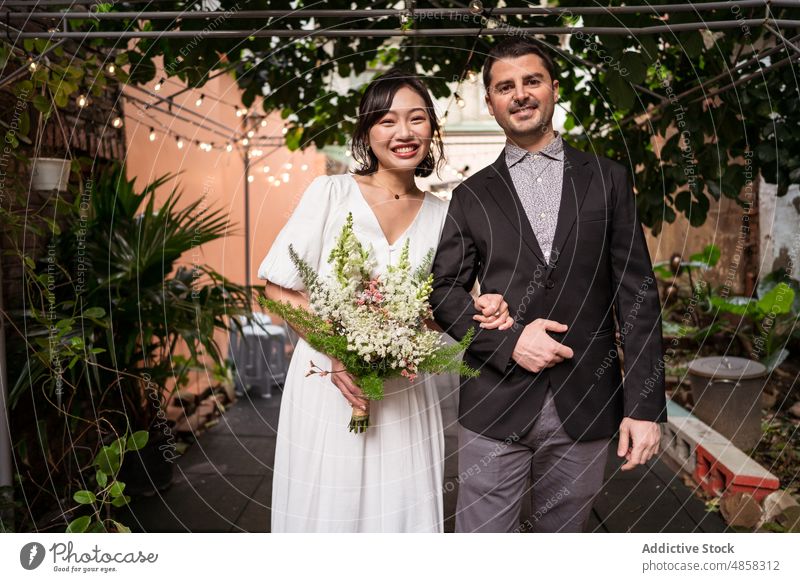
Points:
x=305 y=231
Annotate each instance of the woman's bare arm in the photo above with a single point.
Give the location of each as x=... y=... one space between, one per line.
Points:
x=343 y=380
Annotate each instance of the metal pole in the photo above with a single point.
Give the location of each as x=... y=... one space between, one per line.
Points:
x=246 y=153
x=786 y=41
x=418 y=13
x=38 y=3
x=429 y=32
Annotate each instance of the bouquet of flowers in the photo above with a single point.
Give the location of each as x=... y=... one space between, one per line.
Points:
x=374 y=325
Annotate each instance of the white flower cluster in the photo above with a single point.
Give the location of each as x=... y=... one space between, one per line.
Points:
x=381 y=317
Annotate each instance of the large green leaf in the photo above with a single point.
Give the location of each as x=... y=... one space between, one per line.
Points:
x=108 y=460
x=709 y=256
x=777 y=301
x=636 y=65
x=620 y=92
x=137 y=440
x=84 y=497
x=116 y=488
x=734 y=305
x=79 y=525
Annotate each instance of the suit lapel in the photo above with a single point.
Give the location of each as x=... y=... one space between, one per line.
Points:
x=501 y=188
x=577 y=175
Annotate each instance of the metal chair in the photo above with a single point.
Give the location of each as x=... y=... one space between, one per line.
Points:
x=258 y=355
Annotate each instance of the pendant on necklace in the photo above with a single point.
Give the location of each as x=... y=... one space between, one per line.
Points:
x=397 y=197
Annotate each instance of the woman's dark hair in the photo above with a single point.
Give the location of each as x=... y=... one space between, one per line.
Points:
x=512 y=48
x=375 y=103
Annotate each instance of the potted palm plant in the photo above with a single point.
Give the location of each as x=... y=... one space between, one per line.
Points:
x=124 y=306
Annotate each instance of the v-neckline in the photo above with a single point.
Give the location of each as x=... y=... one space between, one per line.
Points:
x=378 y=222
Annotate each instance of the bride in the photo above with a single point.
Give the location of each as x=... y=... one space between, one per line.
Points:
x=389 y=479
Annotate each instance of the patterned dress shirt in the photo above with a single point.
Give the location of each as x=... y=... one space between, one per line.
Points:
x=538 y=179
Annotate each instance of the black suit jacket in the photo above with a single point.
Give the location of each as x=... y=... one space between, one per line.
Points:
x=599 y=271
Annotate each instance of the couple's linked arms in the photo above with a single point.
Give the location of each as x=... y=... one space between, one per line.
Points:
x=456 y=267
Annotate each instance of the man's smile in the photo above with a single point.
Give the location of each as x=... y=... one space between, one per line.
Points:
x=524 y=111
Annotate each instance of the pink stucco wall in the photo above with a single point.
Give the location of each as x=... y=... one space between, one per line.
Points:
x=218 y=175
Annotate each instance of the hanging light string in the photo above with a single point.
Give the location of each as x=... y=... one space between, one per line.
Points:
x=240 y=111
x=181 y=140
x=163 y=81
x=82 y=100
x=35 y=61
x=253 y=152
x=244 y=138
x=148 y=108
x=184 y=109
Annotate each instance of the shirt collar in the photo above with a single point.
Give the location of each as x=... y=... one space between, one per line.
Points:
x=553 y=150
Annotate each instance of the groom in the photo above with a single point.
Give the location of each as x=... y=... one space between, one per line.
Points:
x=555 y=231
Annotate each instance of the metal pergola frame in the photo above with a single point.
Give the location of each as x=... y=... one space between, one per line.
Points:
x=404 y=15
x=411 y=33
x=422 y=13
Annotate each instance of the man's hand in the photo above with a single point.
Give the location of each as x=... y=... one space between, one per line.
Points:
x=346 y=384
x=638 y=441
x=493 y=312
x=535 y=350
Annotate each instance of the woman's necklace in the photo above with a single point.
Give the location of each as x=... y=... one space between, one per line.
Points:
x=392 y=192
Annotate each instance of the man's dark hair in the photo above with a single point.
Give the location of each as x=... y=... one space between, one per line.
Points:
x=375 y=103
x=514 y=47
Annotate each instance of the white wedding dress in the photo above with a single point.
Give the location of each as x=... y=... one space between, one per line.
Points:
x=327 y=479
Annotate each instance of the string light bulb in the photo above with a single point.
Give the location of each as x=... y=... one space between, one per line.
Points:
x=229 y=147
x=111 y=68
x=179 y=143
x=117 y=122
x=199 y=101
x=159 y=84
x=83 y=101
x=152 y=134
x=476 y=7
